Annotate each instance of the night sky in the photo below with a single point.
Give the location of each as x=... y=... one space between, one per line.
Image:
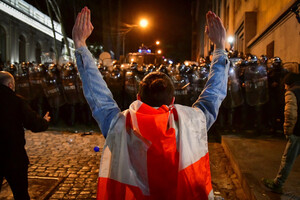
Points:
x=169 y=22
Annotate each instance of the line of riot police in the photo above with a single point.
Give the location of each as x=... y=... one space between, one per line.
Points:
x=189 y=81
x=52 y=87
x=255 y=95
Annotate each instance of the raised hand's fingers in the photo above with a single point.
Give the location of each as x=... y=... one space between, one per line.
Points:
x=81 y=21
x=89 y=16
x=86 y=17
x=89 y=23
x=220 y=23
x=210 y=21
x=77 y=20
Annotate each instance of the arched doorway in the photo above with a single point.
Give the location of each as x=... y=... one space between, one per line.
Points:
x=2 y=46
x=22 y=49
x=38 y=52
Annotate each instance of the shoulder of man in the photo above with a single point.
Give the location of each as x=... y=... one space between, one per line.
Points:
x=186 y=112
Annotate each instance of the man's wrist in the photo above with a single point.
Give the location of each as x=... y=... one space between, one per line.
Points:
x=222 y=47
x=79 y=44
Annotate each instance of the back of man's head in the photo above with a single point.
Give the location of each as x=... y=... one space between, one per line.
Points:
x=7 y=79
x=156 y=89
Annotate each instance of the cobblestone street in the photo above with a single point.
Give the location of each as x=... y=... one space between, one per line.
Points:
x=67 y=155
x=71 y=156
x=225 y=182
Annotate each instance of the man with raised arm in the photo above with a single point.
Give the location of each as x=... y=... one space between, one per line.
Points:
x=155 y=149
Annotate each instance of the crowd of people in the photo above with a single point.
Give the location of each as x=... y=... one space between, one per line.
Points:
x=255 y=84
x=154 y=149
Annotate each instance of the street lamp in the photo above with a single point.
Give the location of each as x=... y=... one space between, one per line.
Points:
x=230 y=40
x=143 y=23
x=157 y=42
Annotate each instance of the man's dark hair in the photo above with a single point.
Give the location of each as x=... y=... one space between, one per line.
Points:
x=156 y=89
x=290 y=78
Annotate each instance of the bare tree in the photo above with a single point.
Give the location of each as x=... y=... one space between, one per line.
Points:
x=57 y=13
x=55 y=43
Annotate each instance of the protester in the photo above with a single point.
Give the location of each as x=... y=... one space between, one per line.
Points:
x=15 y=115
x=291 y=129
x=155 y=149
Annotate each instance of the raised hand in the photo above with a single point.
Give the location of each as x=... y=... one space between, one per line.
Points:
x=82 y=28
x=215 y=30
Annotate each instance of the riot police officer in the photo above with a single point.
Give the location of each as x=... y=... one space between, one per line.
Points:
x=181 y=85
x=53 y=90
x=276 y=92
x=132 y=80
x=68 y=78
x=22 y=81
x=36 y=75
x=234 y=99
x=115 y=83
x=256 y=89
x=198 y=78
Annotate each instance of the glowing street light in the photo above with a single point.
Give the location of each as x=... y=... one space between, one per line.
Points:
x=159 y=51
x=230 y=40
x=143 y=23
x=157 y=42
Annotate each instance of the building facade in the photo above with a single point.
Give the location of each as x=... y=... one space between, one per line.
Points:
x=26 y=33
x=268 y=27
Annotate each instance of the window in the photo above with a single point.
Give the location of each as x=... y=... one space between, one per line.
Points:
x=240 y=37
x=22 y=49
x=270 y=50
x=38 y=52
x=2 y=45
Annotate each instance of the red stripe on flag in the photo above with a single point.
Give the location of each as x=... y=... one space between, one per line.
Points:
x=109 y=189
x=194 y=182
x=162 y=155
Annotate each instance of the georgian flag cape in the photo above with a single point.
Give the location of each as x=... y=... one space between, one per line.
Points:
x=156 y=154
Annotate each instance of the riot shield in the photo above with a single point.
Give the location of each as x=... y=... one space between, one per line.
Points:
x=22 y=82
x=53 y=88
x=163 y=68
x=256 y=84
x=68 y=78
x=131 y=86
x=12 y=69
x=104 y=71
x=115 y=82
x=198 y=81
x=181 y=85
x=234 y=96
x=80 y=89
x=36 y=75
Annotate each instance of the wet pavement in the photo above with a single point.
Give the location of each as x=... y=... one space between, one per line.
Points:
x=259 y=156
x=71 y=160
